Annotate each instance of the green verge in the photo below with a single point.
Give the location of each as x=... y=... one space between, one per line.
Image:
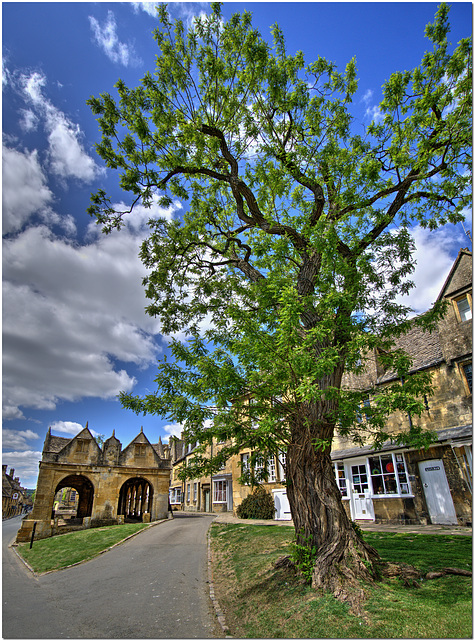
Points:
x=69 y=548
x=261 y=602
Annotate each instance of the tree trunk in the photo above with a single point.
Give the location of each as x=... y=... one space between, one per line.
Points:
x=343 y=561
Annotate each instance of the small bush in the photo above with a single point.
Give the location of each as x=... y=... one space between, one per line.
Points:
x=304 y=557
x=258 y=506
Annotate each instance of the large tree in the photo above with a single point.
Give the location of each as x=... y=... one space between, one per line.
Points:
x=287 y=267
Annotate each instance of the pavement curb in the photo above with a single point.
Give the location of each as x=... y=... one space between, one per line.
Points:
x=218 y=611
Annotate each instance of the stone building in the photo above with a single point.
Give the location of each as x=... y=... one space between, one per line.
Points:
x=209 y=494
x=113 y=484
x=395 y=484
x=14 y=497
x=417 y=485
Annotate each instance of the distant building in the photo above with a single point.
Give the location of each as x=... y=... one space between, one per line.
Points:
x=14 y=497
x=111 y=485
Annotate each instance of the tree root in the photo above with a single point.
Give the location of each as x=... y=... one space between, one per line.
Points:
x=447 y=570
x=410 y=576
x=347 y=588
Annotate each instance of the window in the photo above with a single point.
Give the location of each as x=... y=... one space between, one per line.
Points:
x=282 y=465
x=466 y=372
x=195 y=492
x=220 y=491
x=341 y=478
x=389 y=474
x=463 y=308
x=245 y=464
x=175 y=495
x=359 y=478
x=271 y=469
x=140 y=450
x=259 y=468
x=82 y=446
x=188 y=492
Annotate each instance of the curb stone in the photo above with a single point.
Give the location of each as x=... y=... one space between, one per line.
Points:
x=219 y=613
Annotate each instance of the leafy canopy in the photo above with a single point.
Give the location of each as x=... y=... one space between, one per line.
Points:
x=287 y=266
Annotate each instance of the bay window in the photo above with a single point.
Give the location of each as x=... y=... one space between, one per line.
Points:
x=220 y=491
x=389 y=474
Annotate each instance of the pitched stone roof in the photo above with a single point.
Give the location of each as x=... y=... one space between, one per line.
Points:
x=423 y=347
x=57 y=443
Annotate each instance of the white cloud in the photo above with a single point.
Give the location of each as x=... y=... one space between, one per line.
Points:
x=29 y=121
x=67 y=156
x=434 y=259
x=367 y=97
x=374 y=113
x=172 y=430
x=185 y=11
x=147 y=7
x=12 y=439
x=106 y=37
x=70 y=428
x=24 y=188
x=70 y=312
x=25 y=464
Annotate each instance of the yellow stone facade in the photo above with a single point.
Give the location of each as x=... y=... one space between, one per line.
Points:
x=113 y=484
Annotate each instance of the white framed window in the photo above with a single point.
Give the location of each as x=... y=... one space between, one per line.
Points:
x=175 y=495
x=188 y=492
x=220 y=491
x=282 y=465
x=195 y=491
x=389 y=475
x=245 y=464
x=271 y=468
x=259 y=467
x=341 y=478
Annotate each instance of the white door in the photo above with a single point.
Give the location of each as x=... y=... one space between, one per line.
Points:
x=362 y=507
x=282 y=505
x=437 y=493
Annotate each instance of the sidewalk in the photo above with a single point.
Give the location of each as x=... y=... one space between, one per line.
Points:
x=427 y=529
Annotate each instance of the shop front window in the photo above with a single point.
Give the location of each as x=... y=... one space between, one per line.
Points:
x=389 y=475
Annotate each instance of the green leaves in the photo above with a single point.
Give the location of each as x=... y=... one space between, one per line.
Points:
x=288 y=262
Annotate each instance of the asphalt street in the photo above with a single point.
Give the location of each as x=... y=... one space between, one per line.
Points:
x=152 y=586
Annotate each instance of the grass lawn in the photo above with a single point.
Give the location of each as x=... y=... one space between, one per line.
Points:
x=66 y=549
x=260 y=602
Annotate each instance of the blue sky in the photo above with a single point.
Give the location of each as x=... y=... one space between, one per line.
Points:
x=74 y=328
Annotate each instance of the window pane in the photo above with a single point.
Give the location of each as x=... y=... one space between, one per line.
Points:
x=464 y=309
x=467 y=369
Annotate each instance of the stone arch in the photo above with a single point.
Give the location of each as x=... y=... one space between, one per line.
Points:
x=135 y=498
x=84 y=488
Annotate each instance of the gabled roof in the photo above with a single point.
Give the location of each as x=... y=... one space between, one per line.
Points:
x=454 y=268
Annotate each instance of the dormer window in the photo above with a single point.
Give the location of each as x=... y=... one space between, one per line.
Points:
x=463 y=308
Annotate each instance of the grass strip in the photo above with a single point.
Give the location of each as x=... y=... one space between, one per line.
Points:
x=260 y=602
x=61 y=551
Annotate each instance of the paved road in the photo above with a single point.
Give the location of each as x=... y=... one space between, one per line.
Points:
x=152 y=586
